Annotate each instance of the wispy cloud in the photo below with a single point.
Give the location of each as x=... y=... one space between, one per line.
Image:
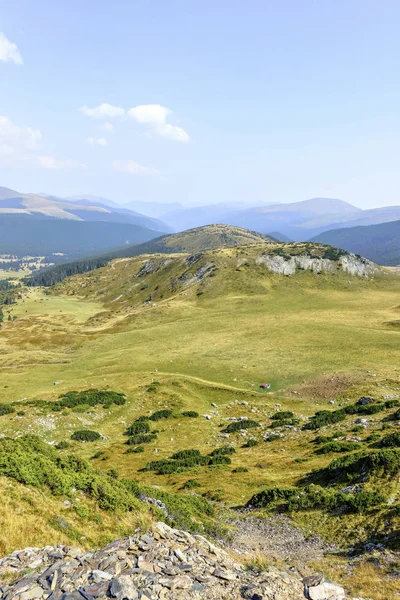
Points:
x=52 y=163
x=103 y=111
x=133 y=167
x=155 y=116
x=96 y=141
x=9 y=51
x=107 y=127
x=14 y=139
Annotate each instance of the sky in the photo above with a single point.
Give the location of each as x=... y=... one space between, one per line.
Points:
x=201 y=102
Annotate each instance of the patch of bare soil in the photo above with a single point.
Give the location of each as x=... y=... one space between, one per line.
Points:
x=326 y=387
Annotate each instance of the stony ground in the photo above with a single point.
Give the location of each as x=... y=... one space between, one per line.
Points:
x=277 y=539
x=163 y=564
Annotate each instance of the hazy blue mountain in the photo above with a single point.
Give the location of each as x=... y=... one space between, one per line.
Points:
x=37 y=235
x=380 y=243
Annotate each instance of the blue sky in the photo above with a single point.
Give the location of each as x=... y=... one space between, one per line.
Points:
x=208 y=101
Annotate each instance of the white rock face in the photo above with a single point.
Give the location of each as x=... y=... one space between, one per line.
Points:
x=288 y=266
x=326 y=591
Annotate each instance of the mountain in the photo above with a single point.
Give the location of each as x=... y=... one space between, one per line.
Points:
x=208 y=237
x=16 y=203
x=380 y=243
x=23 y=235
x=44 y=225
x=286 y=218
x=191 y=241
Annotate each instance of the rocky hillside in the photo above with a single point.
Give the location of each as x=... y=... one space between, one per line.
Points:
x=165 y=563
x=192 y=241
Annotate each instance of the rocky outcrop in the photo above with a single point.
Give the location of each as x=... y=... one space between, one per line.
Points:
x=289 y=265
x=164 y=564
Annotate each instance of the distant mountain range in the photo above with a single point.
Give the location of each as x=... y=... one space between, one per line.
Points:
x=297 y=221
x=43 y=225
x=380 y=243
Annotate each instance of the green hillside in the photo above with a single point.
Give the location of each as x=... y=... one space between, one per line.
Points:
x=193 y=240
x=158 y=359
x=380 y=243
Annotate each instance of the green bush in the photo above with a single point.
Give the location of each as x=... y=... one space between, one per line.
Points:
x=6 y=409
x=186 y=454
x=314 y=497
x=240 y=470
x=390 y=441
x=141 y=438
x=355 y=467
x=135 y=450
x=187 y=459
x=338 y=447
x=190 y=413
x=190 y=484
x=273 y=437
x=285 y=423
x=395 y=416
x=251 y=443
x=63 y=445
x=225 y=450
x=282 y=415
x=239 y=425
x=85 y=435
x=138 y=427
x=92 y=397
x=373 y=437
x=326 y=417
x=161 y=414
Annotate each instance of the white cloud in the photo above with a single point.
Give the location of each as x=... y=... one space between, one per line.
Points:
x=107 y=127
x=17 y=138
x=96 y=141
x=52 y=163
x=155 y=116
x=103 y=111
x=173 y=132
x=9 y=51
x=150 y=114
x=131 y=166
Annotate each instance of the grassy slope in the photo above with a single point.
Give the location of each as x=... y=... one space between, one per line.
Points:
x=322 y=337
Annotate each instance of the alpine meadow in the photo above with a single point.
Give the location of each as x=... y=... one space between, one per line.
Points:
x=199 y=301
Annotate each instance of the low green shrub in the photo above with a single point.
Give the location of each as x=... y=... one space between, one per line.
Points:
x=273 y=437
x=92 y=397
x=240 y=470
x=135 y=450
x=6 y=409
x=85 y=435
x=390 y=441
x=161 y=414
x=314 y=497
x=190 y=484
x=225 y=450
x=251 y=443
x=282 y=415
x=141 y=438
x=239 y=425
x=355 y=467
x=190 y=413
x=337 y=447
x=285 y=423
x=63 y=445
x=326 y=417
x=138 y=427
